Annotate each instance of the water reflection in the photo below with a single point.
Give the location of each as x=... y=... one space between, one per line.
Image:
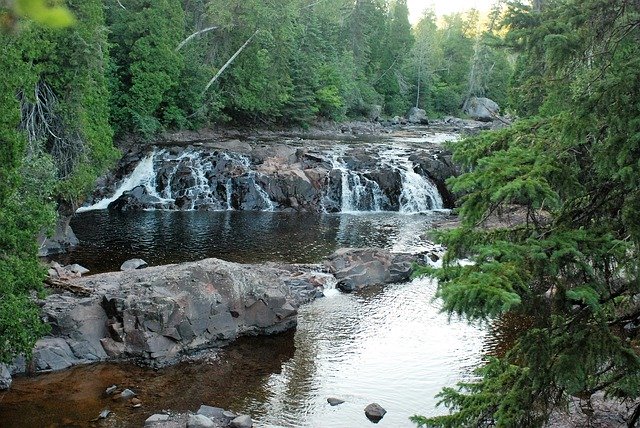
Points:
x=109 y=238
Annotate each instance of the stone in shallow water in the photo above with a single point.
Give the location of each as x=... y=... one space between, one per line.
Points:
x=134 y=264
x=243 y=421
x=374 y=412
x=334 y=401
x=199 y=421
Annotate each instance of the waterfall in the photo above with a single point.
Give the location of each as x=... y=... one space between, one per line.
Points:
x=362 y=178
x=419 y=194
x=358 y=193
x=143 y=174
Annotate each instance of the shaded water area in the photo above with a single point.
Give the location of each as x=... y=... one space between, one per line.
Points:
x=108 y=238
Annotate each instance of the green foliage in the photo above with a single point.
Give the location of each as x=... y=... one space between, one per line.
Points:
x=572 y=259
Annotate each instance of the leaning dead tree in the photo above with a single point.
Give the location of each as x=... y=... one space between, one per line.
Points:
x=192 y=36
x=46 y=131
x=228 y=63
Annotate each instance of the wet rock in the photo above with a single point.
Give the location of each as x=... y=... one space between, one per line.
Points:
x=111 y=389
x=136 y=199
x=374 y=412
x=482 y=109
x=199 y=421
x=134 y=264
x=217 y=415
x=5 y=377
x=357 y=268
x=63 y=238
x=243 y=421
x=334 y=401
x=136 y=401
x=417 y=116
x=158 y=314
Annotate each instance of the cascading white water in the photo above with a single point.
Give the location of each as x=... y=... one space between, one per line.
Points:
x=357 y=192
x=419 y=194
x=144 y=174
x=195 y=179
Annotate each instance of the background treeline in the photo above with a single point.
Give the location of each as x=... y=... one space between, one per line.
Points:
x=306 y=59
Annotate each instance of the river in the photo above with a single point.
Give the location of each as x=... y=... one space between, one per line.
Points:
x=389 y=345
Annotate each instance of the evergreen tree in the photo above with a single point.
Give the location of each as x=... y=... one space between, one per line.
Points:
x=573 y=260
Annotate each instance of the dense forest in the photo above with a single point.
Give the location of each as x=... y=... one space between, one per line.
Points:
x=79 y=75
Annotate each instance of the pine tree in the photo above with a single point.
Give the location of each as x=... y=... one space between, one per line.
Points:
x=572 y=261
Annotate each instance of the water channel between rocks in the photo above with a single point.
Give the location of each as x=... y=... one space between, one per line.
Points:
x=388 y=345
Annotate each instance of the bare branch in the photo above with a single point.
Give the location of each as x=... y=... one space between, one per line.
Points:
x=197 y=33
x=228 y=63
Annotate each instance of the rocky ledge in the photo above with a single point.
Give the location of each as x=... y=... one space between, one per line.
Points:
x=157 y=315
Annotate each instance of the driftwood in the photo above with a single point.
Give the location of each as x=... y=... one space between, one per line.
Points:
x=67 y=286
x=197 y=33
x=228 y=63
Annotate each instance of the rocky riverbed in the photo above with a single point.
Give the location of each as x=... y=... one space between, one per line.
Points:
x=156 y=316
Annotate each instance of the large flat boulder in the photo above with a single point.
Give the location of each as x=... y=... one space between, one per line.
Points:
x=482 y=109
x=157 y=314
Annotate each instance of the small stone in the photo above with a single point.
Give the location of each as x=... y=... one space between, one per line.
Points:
x=334 y=401
x=127 y=393
x=229 y=415
x=135 y=401
x=104 y=414
x=111 y=390
x=134 y=264
x=137 y=406
x=76 y=268
x=374 y=412
x=156 y=418
x=199 y=421
x=242 y=421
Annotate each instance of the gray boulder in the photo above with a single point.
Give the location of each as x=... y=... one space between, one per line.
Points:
x=5 y=377
x=374 y=412
x=217 y=415
x=157 y=314
x=134 y=264
x=243 y=421
x=334 y=401
x=199 y=421
x=62 y=240
x=357 y=268
x=417 y=116
x=482 y=109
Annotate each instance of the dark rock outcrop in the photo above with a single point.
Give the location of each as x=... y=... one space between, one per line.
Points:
x=374 y=412
x=5 y=377
x=357 y=268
